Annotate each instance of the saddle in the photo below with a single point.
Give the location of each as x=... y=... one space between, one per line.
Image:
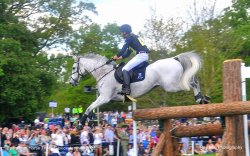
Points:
x=136 y=74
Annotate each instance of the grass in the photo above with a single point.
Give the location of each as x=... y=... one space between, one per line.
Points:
x=205 y=155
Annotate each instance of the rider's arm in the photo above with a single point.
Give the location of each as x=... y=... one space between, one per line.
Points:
x=124 y=47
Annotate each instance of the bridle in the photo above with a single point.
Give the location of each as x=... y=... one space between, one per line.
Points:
x=78 y=70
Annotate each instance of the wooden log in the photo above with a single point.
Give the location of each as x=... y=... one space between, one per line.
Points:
x=193 y=111
x=234 y=135
x=158 y=148
x=198 y=130
x=169 y=147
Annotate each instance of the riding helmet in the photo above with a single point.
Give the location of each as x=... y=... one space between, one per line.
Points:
x=126 y=28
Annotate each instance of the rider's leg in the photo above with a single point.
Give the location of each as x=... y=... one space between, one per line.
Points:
x=126 y=88
x=136 y=60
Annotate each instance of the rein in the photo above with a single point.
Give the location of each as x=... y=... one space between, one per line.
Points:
x=109 y=61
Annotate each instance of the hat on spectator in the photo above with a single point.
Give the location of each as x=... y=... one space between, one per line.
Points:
x=6 y=147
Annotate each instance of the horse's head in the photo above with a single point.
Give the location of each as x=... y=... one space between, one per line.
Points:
x=77 y=71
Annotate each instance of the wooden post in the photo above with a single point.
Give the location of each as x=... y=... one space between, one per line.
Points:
x=169 y=148
x=233 y=138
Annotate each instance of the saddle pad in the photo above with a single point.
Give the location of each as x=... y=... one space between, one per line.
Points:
x=136 y=74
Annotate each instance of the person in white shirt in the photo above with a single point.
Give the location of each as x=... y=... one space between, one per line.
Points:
x=98 y=136
x=84 y=135
x=54 y=150
x=37 y=121
x=67 y=112
x=109 y=134
x=86 y=151
x=58 y=137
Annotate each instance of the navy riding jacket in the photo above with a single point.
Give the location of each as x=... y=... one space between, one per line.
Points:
x=132 y=42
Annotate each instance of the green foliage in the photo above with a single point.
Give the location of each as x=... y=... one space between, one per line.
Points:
x=27 y=75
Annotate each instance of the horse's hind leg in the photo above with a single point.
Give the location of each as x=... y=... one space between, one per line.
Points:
x=199 y=98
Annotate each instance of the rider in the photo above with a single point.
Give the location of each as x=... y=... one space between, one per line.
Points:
x=132 y=42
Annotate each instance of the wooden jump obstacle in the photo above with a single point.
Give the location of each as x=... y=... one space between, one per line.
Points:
x=232 y=108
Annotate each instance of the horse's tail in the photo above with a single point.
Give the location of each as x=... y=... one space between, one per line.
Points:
x=191 y=63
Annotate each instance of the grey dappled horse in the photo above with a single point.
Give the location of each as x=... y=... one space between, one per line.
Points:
x=172 y=74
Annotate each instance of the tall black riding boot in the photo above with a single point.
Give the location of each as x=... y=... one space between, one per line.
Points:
x=126 y=86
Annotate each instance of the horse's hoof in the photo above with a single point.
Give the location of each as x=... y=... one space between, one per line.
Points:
x=206 y=99
x=83 y=119
x=91 y=115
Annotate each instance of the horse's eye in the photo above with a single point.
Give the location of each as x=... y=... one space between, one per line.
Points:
x=74 y=68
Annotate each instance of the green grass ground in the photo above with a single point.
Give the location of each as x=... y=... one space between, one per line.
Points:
x=207 y=155
x=204 y=155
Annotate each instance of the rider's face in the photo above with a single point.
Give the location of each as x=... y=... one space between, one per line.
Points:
x=124 y=35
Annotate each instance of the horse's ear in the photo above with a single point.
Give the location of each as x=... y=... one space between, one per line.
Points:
x=75 y=56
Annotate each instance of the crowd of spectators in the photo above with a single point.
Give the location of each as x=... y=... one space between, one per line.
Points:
x=71 y=138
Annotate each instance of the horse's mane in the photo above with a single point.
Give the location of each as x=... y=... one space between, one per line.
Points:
x=95 y=56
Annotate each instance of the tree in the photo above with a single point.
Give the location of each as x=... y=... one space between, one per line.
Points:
x=27 y=30
x=162 y=34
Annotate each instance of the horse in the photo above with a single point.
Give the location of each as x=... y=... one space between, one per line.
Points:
x=172 y=74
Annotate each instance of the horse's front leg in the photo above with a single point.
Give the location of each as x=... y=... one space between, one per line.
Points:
x=98 y=102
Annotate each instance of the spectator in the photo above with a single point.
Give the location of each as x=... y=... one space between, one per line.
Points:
x=218 y=143
x=44 y=137
x=85 y=149
x=5 y=150
x=15 y=139
x=84 y=135
x=180 y=148
x=75 y=137
x=37 y=121
x=23 y=137
x=98 y=136
x=12 y=150
x=131 y=136
x=114 y=121
x=58 y=137
x=130 y=151
x=106 y=151
x=3 y=135
x=109 y=134
x=124 y=139
x=53 y=150
x=7 y=141
x=148 y=150
x=210 y=148
x=67 y=112
x=22 y=149
x=70 y=152
x=66 y=136
x=141 y=150
x=76 y=152
x=34 y=139
x=198 y=149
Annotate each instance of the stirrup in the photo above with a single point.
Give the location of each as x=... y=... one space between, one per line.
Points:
x=124 y=92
